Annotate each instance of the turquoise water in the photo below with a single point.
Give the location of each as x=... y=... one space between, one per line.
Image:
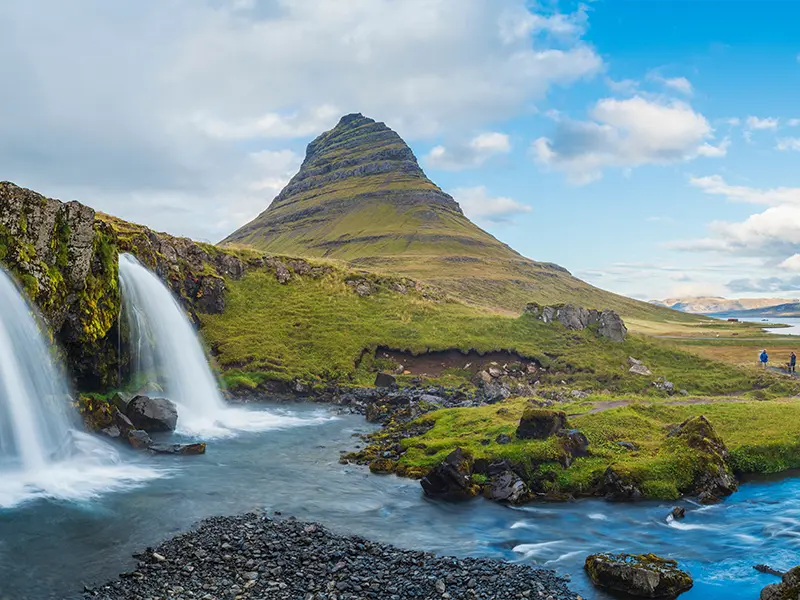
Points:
x=49 y=548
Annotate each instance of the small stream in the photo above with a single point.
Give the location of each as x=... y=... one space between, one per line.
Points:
x=50 y=548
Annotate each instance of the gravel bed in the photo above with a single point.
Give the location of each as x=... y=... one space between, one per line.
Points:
x=255 y=556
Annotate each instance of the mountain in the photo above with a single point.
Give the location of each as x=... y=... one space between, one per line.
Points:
x=707 y=305
x=361 y=197
x=789 y=309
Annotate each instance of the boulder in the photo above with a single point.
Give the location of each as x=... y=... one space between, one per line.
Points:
x=384 y=380
x=618 y=488
x=506 y=487
x=184 y=449
x=120 y=425
x=788 y=588
x=638 y=367
x=640 y=576
x=494 y=392
x=678 y=512
x=665 y=386
x=540 y=423
x=713 y=478
x=575 y=444
x=575 y=318
x=120 y=401
x=152 y=414
x=495 y=371
x=139 y=439
x=451 y=479
x=610 y=325
x=503 y=439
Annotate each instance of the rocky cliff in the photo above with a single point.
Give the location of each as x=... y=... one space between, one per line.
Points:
x=65 y=257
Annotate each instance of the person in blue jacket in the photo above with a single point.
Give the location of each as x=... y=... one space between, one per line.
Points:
x=764 y=358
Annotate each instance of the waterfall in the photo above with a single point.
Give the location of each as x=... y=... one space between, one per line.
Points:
x=165 y=350
x=42 y=450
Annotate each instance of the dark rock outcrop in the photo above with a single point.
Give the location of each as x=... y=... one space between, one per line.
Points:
x=384 y=380
x=617 y=487
x=540 y=423
x=152 y=414
x=576 y=318
x=182 y=449
x=452 y=479
x=641 y=576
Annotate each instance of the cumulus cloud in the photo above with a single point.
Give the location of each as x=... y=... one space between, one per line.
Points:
x=679 y=84
x=141 y=99
x=789 y=143
x=759 y=123
x=479 y=205
x=764 y=285
x=627 y=133
x=471 y=154
x=716 y=185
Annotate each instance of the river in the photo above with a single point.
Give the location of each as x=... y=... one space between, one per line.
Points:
x=49 y=548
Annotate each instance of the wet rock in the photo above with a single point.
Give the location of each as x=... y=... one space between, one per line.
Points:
x=787 y=589
x=506 y=487
x=384 y=380
x=452 y=479
x=618 y=488
x=139 y=439
x=183 y=449
x=641 y=576
x=495 y=372
x=713 y=478
x=767 y=570
x=120 y=401
x=540 y=423
x=637 y=367
x=503 y=439
x=678 y=512
x=152 y=414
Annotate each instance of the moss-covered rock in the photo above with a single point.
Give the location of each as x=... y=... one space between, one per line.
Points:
x=540 y=423
x=787 y=589
x=640 y=576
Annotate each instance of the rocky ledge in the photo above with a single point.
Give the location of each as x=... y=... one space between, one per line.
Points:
x=255 y=556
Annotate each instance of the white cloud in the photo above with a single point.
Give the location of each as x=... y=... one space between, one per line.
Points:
x=716 y=185
x=732 y=121
x=167 y=99
x=792 y=263
x=758 y=123
x=472 y=154
x=790 y=143
x=624 y=86
x=793 y=122
x=479 y=205
x=627 y=133
x=679 y=84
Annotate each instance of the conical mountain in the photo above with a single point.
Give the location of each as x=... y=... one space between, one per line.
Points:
x=360 y=196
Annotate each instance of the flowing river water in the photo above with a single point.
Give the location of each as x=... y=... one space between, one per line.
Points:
x=49 y=548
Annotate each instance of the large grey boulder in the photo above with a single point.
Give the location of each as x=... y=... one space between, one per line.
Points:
x=610 y=325
x=152 y=414
x=640 y=576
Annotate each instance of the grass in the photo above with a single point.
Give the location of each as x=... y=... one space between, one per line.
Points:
x=762 y=437
x=320 y=330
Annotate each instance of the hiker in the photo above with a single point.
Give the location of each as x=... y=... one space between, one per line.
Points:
x=764 y=358
x=792 y=362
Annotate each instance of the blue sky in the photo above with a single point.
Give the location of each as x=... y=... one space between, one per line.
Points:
x=650 y=146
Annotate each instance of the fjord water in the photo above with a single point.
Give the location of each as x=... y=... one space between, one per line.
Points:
x=296 y=471
x=42 y=451
x=165 y=349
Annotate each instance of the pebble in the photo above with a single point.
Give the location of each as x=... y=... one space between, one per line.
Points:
x=268 y=559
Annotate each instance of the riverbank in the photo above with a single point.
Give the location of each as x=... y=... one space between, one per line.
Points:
x=257 y=556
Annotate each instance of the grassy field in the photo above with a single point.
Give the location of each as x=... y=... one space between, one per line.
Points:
x=762 y=437
x=318 y=330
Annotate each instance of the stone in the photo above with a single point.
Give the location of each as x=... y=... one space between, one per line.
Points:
x=610 y=325
x=451 y=479
x=574 y=318
x=120 y=401
x=540 y=423
x=139 y=439
x=210 y=294
x=503 y=439
x=618 y=488
x=494 y=392
x=628 y=446
x=637 y=367
x=152 y=414
x=506 y=487
x=384 y=380
x=714 y=477
x=678 y=512
x=495 y=372
x=282 y=273
x=183 y=449
x=640 y=576
x=575 y=443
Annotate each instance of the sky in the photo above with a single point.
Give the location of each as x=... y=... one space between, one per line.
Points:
x=649 y=146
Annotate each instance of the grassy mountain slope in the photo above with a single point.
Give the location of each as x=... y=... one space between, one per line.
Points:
x=361 y=197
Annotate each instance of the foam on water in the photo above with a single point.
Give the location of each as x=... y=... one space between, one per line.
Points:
x=165 y=348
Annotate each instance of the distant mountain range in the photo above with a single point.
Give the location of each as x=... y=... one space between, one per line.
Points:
x=709 y=305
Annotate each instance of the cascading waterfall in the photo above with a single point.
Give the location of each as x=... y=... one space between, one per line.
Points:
x=42 y=451
x=165 y=350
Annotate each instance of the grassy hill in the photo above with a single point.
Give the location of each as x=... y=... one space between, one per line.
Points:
x=360 y=197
